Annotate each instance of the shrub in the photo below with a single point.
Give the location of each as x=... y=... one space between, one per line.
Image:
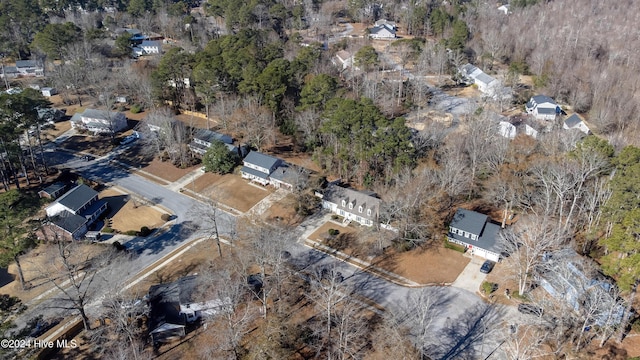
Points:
x=334 y=232
x=488 y=287
x=108 y=230
x=144 y=231
x=118 y=246
x=136 y=108
x=335 y=217
x=452 y=246
x=131 y=233
x=165 y=217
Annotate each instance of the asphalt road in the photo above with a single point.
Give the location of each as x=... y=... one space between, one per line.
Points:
x=466 y=327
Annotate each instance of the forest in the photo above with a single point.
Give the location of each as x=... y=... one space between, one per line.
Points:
x=263 y=69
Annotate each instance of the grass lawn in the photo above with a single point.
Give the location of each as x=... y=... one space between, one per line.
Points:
x=129 y=213
x=97 y=145
x=283 y=211
x=166 y=170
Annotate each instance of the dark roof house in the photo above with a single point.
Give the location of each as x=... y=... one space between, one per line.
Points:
x=476 y=233
x=353 y=205
x=258 y=167
x=53 y=191
x=81 y=202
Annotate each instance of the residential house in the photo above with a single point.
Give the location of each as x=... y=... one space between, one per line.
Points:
x=569 y=277
x=174 y=305
x=99 y=121
x=344 y=59
x=542 y=107
x=75 y=211
x=136 y=35
x=258 y=167
x=383 y=32
x=10 y=72
x=287 y=176
x=530 y=131
x=151 y=47
x=361 y=207
x=575 y=122
x=476 y=233
x=485 y=83
x=53 y=191
x=385 y=22
x=507 y=129
x=203 y=139
x=30 y=68
x=48 y=92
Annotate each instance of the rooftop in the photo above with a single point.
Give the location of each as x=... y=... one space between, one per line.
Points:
x=469 y=221
x=68 y=221
x=260 y=159
x=77 y=197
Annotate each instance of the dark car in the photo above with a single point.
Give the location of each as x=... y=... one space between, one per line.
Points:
x=529 y=309
x=487 y=267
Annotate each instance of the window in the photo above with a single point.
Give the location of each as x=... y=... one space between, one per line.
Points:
x=474 y=237
x=368 y=212
x=350 y=206
x=344 y=203
x=358 y=219
x=342 y=212
x=360 y=209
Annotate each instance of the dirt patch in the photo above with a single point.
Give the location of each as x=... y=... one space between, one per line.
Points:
x=96 y=145
x=283 y=211
x=130 y=213
x=233 y=191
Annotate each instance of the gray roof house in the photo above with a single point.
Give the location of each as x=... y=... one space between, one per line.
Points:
x=542 y=107
x=30 y=68
x=485 y=83
x=384 y=31
x=353 y=205
x=476 y=233
x=203 y=139
x=575 y=122
x=11 y=72
x=99 y=121
x=53 y=191
x=79 y=202
x=258 y=167
x=288 y=177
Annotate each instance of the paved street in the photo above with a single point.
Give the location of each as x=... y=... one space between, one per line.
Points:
x=457 y=306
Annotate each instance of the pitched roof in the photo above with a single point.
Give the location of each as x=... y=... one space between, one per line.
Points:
x=381 y=28
x=260 y=159
x=77 y=197
x=343 y=55
x=573 y=120
x=483 y=77
x=151 y=43
x=254 y=172
x=546 y=110
x=68 y=221
x=101 y=114
x=27 y=63
x=285 y=174
x=53 y=188
x=210 y=136
x=335 y=194
x=165 y=300
x=539 y=99
x=469 y=221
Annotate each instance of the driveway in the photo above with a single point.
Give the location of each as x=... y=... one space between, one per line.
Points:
x=471 y=278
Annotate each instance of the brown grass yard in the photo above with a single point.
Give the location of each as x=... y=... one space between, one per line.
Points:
x=283 y=212
x=58 y=129
x=129 y=213
x=96 y=145
x=435 y=265
x=231 y=190
x=166 y=170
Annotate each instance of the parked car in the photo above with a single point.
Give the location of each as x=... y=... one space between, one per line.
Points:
x=529 y=309
x=487 y=266
x=128 y=139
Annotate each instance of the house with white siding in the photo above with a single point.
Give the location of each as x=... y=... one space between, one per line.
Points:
x=353 y=205
x=542 y=107
x=476 y=233
x=99 y=121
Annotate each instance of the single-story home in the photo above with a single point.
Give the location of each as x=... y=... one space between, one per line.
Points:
x=543 y=107
x=383 y=32
x=30 y=68
x=48 y=91
x=507 y=129
x=10 y=72
x=53 y=191
x=575 y=122
x=485 y=83
x=353 y=205
x=151 y=47
x=343 y=59
x=99 y=121
x=476 y=233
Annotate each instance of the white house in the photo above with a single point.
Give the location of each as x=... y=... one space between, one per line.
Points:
x=528 y=130
x=203 y=139
x=74 y=211
x=30 y=68
x=485 y=83
x=99 y=121
x=575 y=122
x=384 y=32
x=48 y=92
x=344 y=59
x=476 y=233
x=151 y=47
x=258 y=166
x=353 y=205
x=507 y=129
x=542 y=107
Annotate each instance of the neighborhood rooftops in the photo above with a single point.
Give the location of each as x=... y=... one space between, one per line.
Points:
x=469 y=221
x=27 y=64
x=573 y=120
x=77 y=197
x=99 y=114
x=540 y=99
